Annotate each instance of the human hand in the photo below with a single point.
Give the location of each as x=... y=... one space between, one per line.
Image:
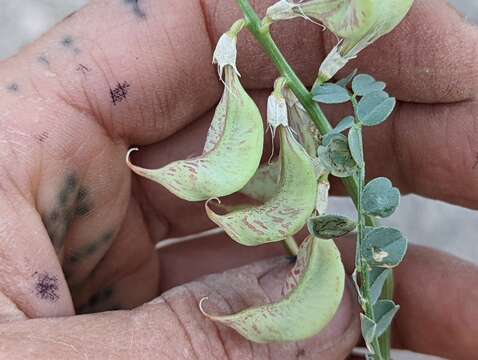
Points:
x=139 y=74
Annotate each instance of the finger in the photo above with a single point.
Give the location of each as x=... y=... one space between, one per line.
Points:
x=436 y=291
x=143 y=74
x=147 y=332
x=30 y=273
x=437 y=296
x=117 y=275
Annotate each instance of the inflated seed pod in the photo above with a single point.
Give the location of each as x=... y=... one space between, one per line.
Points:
x=231 y=155
x=265 y=182
x=313 y=292
x=287 y=211
x=300 y=121
x=358 y=22
x=379 y=18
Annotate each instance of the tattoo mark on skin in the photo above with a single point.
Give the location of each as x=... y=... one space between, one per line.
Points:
x=136 y=8
x=42 y=59
x=13 y=87
x=46 y=286
x=83 y=69
x=90 y=249
x=72 y=201
x=42 y=137
x=119 y=93
x=69 y=42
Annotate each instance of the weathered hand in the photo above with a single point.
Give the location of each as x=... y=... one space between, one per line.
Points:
x=123 y=72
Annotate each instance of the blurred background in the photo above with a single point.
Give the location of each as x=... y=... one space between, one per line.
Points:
x=424 y=221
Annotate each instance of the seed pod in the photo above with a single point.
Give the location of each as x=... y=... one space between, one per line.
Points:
x=265 y=183
x=287 y=211
x=231 y=155
x=301 y=123
x=379 y=18
x=313 y=292
x=358 y=22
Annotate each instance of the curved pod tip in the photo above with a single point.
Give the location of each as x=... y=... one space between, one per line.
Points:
x=307 y=308
x=231 y=155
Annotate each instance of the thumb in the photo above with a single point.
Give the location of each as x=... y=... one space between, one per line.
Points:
x=172 y=327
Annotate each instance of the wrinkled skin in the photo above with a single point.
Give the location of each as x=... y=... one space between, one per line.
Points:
x=64 y=136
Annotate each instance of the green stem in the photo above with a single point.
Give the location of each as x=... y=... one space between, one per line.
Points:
x=362 y=267
x=260 y=30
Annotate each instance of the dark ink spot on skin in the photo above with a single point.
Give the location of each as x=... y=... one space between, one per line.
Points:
x=291 y=259
x=90 y=249
x=119 y=93
x=67 y=41
x=83 y=69
x=82 y=210
x=43 y=60
x=71 y=182
x=83 y=205
x=13 y=87
x=82 y=193
x=46 y=286
x=58 y=221
x=300 y=353
x=136 y=8
x=42 y=137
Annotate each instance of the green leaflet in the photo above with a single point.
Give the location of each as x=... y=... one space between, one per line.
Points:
x=330 y=226
x=380 y=198
x=232 y=152
x=330 y=94
x=314 y=290
x=287 y=211
x=364 y=84
x=356 y=145
x=384 y=247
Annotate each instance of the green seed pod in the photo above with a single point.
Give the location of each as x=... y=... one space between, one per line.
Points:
x=358 y=22
x=380 y=18
x=265 y=183
x=287 y=211
x=231 y=155
x=301 y=123
x=313 y=292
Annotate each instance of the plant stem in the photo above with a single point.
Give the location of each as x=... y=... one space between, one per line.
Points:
x=260 y=30
x=362 y=267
